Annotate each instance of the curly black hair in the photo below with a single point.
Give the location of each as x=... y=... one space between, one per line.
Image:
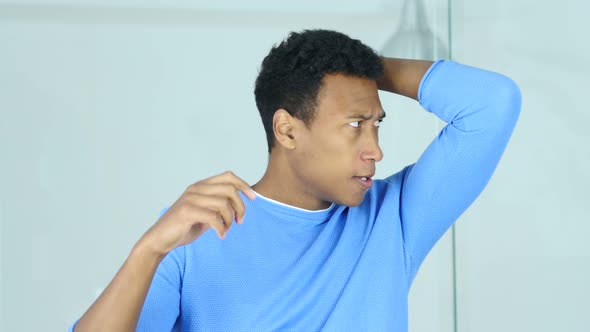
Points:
x=291 y=74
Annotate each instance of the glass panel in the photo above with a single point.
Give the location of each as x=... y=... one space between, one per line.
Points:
x=523 y=255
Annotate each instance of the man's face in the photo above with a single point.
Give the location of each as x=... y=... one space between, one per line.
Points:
x=341 y=146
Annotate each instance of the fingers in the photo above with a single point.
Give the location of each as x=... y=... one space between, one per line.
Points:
x=200 y=215
x=219 y=195
x=226 y=185
x=234 y=180
x=227 y=192
x=218 y=204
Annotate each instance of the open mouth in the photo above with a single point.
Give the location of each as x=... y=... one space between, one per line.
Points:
x=364 y=181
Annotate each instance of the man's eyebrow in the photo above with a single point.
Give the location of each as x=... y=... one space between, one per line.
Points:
x=364 y=117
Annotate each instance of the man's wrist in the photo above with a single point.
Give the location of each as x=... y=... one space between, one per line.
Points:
x=144 y=251
x=403 y=76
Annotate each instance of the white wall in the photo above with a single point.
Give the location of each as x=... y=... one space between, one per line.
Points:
x=109 y=112
x=523 y=249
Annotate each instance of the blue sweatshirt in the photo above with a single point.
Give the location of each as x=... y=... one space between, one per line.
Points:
x=343 y=268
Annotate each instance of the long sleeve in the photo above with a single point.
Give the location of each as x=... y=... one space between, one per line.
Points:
x=481 y=109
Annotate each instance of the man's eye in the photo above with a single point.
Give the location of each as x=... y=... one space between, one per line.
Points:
x=355 y=124
x=377 y=123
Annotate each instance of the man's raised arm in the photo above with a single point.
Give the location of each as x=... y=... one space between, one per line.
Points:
x=481 y=109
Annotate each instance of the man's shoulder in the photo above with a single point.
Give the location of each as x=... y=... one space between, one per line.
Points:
x=392 y=181
x=385 y=193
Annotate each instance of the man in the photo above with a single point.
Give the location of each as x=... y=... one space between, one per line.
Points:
x=320 y=245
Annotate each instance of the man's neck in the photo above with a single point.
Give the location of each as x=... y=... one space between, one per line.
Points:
x=280 y=184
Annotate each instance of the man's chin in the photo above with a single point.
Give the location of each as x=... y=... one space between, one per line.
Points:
x=353 y=200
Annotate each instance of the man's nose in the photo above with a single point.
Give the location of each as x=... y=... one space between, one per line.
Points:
x=372 y=150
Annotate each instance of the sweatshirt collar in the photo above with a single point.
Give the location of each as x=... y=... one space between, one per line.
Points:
x=292 y=213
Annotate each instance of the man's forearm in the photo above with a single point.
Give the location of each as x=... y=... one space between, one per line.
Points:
x=403 y=76
x=119 y=306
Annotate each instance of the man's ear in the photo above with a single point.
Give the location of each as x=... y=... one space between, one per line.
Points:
x=283 y=125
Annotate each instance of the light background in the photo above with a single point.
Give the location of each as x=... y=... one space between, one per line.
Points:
x=109 y=109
